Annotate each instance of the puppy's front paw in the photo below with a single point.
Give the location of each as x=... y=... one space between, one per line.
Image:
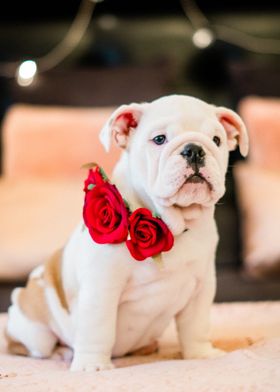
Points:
x=203 y=351
x=90 y=363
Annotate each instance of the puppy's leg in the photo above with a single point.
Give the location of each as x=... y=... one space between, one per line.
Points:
x=97 y=313
x=27 y=331
x=193 y=322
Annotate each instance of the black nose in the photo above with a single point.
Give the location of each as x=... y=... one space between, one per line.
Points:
x=194 y=155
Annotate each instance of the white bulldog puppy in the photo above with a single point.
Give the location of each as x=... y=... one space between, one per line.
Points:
x=97 y=299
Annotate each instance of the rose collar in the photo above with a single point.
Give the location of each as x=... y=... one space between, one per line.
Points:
x=110 y=220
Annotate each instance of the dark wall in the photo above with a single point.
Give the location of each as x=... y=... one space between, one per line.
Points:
x=53 y=9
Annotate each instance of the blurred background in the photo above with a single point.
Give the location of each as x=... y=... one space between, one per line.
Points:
x=65 y=65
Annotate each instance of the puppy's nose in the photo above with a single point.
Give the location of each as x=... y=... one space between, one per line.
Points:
x=194 y=154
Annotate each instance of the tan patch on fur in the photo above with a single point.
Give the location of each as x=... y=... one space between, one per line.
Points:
x=32 y=302
x=234 y=343
x=52 y=275
x=146 y=350
x=15 y=347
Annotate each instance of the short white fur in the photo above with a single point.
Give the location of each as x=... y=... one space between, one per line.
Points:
x=116 y=304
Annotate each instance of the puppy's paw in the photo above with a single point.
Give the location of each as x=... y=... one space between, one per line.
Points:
x=90 y=363
x=203 y=351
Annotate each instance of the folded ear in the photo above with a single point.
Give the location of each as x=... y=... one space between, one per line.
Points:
x=120 y=124
x=235 y=129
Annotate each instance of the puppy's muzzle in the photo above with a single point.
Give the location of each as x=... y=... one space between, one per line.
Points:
x=194 y=155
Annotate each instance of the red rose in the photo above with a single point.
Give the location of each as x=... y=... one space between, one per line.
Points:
x=149 y=236
x=105 y=213
x=95 y=177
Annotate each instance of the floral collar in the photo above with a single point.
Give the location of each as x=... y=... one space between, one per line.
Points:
x=110 y=220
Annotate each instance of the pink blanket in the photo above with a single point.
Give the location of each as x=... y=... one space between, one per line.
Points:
x=250 y=332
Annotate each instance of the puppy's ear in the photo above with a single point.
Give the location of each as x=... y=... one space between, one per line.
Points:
x=235 y=130
x=120 y=124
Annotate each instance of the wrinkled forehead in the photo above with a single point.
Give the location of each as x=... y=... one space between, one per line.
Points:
x=178 y=116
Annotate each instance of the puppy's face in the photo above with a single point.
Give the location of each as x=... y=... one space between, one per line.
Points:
x=178 y=148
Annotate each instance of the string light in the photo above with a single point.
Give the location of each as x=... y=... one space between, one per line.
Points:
x=26 y=71
x=205 y=32
x=71 y=39
x=202 y=38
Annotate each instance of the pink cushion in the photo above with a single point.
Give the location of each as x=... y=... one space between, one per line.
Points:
x=252 y=329
x=262 y=117
x=259 y=199
x=54 y=141
x=37 y=217
x=258 y=187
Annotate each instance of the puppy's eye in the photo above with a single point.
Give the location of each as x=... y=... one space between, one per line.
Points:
x=217 y=140
x=160 y=139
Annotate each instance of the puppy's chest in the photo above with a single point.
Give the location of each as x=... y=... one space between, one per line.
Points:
x=156 y=289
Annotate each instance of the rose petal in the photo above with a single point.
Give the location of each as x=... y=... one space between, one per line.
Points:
x=105 y=214
x=149 y=235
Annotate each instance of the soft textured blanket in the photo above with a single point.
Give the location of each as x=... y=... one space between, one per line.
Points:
x=250 y=332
